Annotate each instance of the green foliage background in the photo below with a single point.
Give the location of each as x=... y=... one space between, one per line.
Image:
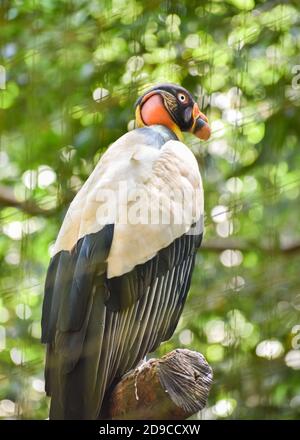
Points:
x=238 y=59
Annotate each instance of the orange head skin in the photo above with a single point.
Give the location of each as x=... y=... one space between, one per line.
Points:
x=154 y=112
x=174 y=107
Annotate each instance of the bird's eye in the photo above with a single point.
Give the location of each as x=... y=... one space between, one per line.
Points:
x=182 y=97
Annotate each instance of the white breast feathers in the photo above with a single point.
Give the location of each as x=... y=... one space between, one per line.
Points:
x=152 y=196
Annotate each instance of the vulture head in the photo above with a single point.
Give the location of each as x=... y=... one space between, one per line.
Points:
x=174 y=107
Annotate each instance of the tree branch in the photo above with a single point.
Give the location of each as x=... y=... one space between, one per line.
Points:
x=171 y=388
x=8 y=198
x=221 y=244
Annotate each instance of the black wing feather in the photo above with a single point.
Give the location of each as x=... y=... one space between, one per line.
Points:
x=97 y=329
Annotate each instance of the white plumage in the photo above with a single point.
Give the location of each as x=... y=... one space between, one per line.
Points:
x=158 y=174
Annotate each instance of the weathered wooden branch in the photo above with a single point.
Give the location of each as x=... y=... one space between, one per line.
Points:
x=171 y=388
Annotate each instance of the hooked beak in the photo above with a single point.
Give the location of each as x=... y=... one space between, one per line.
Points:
x=200 y=127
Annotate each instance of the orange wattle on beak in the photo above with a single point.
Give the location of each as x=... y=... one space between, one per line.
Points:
x=200 y=127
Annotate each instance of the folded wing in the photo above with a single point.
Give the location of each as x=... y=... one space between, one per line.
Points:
x=115 y=291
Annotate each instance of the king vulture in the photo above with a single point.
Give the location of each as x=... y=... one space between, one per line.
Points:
x=115 y=289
